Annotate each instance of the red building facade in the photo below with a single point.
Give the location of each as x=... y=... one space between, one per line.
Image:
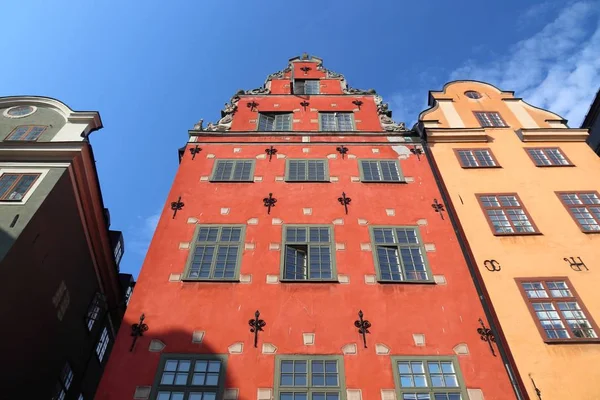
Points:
x=309 y=263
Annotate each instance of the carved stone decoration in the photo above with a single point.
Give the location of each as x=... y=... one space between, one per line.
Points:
x=198 y=126
x=351 y=90
x=260 y=90
x=389 y=125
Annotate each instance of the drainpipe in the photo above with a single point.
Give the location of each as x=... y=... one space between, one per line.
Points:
x=490 y=314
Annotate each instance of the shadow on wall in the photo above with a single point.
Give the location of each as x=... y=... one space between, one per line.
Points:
x=6 y=242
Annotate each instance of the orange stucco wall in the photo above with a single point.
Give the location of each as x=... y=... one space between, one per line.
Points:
x=561 y=371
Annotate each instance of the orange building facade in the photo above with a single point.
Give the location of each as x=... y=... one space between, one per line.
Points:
x=304 y=206
x=522 y=189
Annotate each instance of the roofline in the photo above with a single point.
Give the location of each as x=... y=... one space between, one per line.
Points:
x=592 y=113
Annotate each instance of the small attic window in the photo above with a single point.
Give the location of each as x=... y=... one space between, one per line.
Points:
x=473 y=94
x=19 y=111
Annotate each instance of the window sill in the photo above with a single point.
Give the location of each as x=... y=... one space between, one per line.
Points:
x=215 y=181
x=519 y=234
x=327 y=181
x=386 y=282
x=392 y=182
x=555 y=166
x=193 y=280
x=572 y=341
x=308 y=280
x=486 y=167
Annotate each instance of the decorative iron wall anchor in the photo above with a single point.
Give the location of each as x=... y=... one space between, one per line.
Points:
x=137 y=330
x=252 y=105
x=176 y=206
x=417 y=152
x=344 y=201
x=269 y=202
x=538 y=392
x=305 y=70
x=256 y=325
x=576 y=265
x=487 y=335
x=304 y=104
x=194 y=151
x=342 y=150
x=270 y=152
x=438 y=208
x=363 y=326
x=492 y=265
x=357 y=103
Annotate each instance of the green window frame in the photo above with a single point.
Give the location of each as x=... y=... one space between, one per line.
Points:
x=314 y=377
x=307 y=86
x=336 y=121
x=26 y=133
x=428 y=377
x=308 y=254
x=385 y=171
x=233 y=170
x=190 y=377
x=399 y=254
x=306 y=170
x=216 y=253
x=279 y=122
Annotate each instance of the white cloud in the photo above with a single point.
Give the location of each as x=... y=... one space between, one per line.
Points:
x=142 y=233
x=558 y=68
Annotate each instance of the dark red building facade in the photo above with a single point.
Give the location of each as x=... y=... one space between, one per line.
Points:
x=309 y=263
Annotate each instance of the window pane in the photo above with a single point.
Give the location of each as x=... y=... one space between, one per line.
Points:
x=242 y=170
x=539 y=157
x=320 y=262
x=296 y=260
x=223 y=170
x=413 y=263
x=520 y=220
x=556 y=157
x=328 y=122
x=550 y=321
x=266 y=122
x=484 y=158
x=407 y=236
x=320 y=235
x=201 y=262
x=534 y=290
x=490 y=201
x=226 y=262
x=467 y=158
x=344 y=121
x=500 y=221
x=576 y=320
x=389 y=263
x=370 y=171
x=18 y=133
x=389 y=170
x=384 y=235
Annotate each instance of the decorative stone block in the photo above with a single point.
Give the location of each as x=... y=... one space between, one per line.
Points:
x=276 y=105
x=357 y=120
x=439 y=279
x=280 y=156
x=349 y=348
x=258 y=179
x=461 y=349
x=429 y=247
x=225 y=211
x=343 y=279
x=279 y=179
x=388 y=394
x=192 y=220
x=403 y=157
x=365 y=246
x=340 y=246
x=419 y=339
x=156 y=346
x=261 y=157
x=174 y=277
x=305 y=150
x=204 y=178
x=272 y=279
x=249 y=246
x=314 y=121
x=295 y=121
x=333 y=105
x=353 y=394
x=475 y=394
x=354 y=179
x=409 y=179
x=237 y=149
x=363 y=221
x=381 y=349
x=332 y=156
x=351 y=156
x=252 y=121
x=236 y=348
x=252 y=221
x=231 y=394
x=314 y=110
x=142 y=392
x=307 y=211
x=375 y=151
x=422 y=222
x=245 y=278
x=274 y=246
x=390 y=212
x=184 y=245
x=338 y=221
x=264 y=394
x=269 y=348
x=210 y=156
x=333 y=179
x=198 y=336
x=305 y=139
x=370 y=279
x=308 y=339
x=276 y=221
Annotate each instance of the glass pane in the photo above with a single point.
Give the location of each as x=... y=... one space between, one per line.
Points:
x=214 y=366
x=181 y=378
x=168 y=378
x=201 y=366
x=287 y=366
x=199 y=379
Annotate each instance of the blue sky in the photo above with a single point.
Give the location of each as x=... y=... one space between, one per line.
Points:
x=154 y=68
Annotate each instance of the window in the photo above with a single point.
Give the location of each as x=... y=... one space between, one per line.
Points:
x=64 y=383
x=473 y=94
x=380 y=171
x=102 y=344
x=233 y=171
x=399 y=254
x=506 y=214
x=557 y=310
x=309 y=378
x=190 y=377
x=336 y=121
x=94 y=310
x=307 y=170
x=308 y=253
x=584 y=207
x=548 y=157
x=476 y=158
x=274 y=122
x=19 y=111
x=428 y=378
x=26 y=133
x=80 y=396
x=216 y=253
x=489 y=119
x=61 y=300
x=14 y=187
x=306 y=86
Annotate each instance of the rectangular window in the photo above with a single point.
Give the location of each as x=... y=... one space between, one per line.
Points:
x=506 y=214
x=102 y=344
x=306 y=86
x=399 y=254
x=274 y=121
x=476 y=158
x=14 y=187
x=548 y=157
x=584 y=207
x=428 y=378
x=306 y=170
x=380 y=171
x=336 y=121
x=61 y=300
x=216 y=253
x=490 y=119
x=307 y=253
x=190 y=377
x=558 y=311
x=26 y=133
x=64 y=383
x=233 y=171
x=94 y=310
x=309 y=378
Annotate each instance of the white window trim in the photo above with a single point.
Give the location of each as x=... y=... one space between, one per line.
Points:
x=42 y=172
x=7 y=115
